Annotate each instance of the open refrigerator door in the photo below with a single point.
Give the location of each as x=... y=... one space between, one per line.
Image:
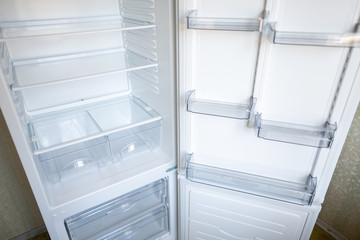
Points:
x=267 y=93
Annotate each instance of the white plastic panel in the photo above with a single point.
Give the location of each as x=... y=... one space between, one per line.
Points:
x=230 y=144
x=218 y=59
x=300 y=82
x=299 y=87
x=320 y=16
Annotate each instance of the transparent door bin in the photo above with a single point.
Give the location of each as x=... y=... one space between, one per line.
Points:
x=313 y=39
x=75 y=161
x=320 y=137
x=76 y=67
x=67 y=26
x=228 y=24
x=220 y=109
x=297 y=193
x=140 y=214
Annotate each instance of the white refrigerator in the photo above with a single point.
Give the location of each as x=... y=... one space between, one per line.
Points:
x=188 y=119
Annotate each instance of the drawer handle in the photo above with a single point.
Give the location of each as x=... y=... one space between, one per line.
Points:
x=123 y=208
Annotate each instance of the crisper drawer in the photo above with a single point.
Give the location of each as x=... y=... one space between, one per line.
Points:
x=227 y=216
x=140 y=214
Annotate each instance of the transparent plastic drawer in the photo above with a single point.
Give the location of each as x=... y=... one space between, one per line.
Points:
x=75 y=160
x=140 y=214
x=130 y=143
x=70 y=144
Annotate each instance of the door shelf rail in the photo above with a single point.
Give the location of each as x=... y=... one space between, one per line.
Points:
x=68 y=26
x=297 y=193
x=319 y=137
x=219 y=109
x=76 y=67
x=227 y=24
x=312 y=39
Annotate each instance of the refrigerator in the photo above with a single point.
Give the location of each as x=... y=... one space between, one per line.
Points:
x=187 y=119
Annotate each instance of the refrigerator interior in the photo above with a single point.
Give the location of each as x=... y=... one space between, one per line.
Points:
x=92 y=83
x=260 y=83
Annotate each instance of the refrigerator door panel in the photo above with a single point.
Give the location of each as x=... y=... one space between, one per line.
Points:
x=295 y=87
x=321 y=16
x=223 y=59
x=303 y=94
x=267 y=129
x=232 y=145
x=218 y=59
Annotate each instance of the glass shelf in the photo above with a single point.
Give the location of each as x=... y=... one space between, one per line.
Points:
x=297 y=193
x=63 y=69
x=70 y=26
x=220 y=109
x=313 y=39
x=228 y=24
x=320 y=137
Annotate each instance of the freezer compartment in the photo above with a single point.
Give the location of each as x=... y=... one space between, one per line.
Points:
x=84 y=66
x=320 y=137
x=66 y=26
x=292 y=192
x=220 y=109
x=140 y=214
x=75 y=161
x=229 y=24
x=313 y=38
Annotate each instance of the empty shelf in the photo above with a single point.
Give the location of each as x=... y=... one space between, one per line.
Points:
x=229 y=24
x=320 y=137
x=220 y=109
x=70 y=26
x=117 y=119
x=253 y=184
x=314 y=39
x=69 y=68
